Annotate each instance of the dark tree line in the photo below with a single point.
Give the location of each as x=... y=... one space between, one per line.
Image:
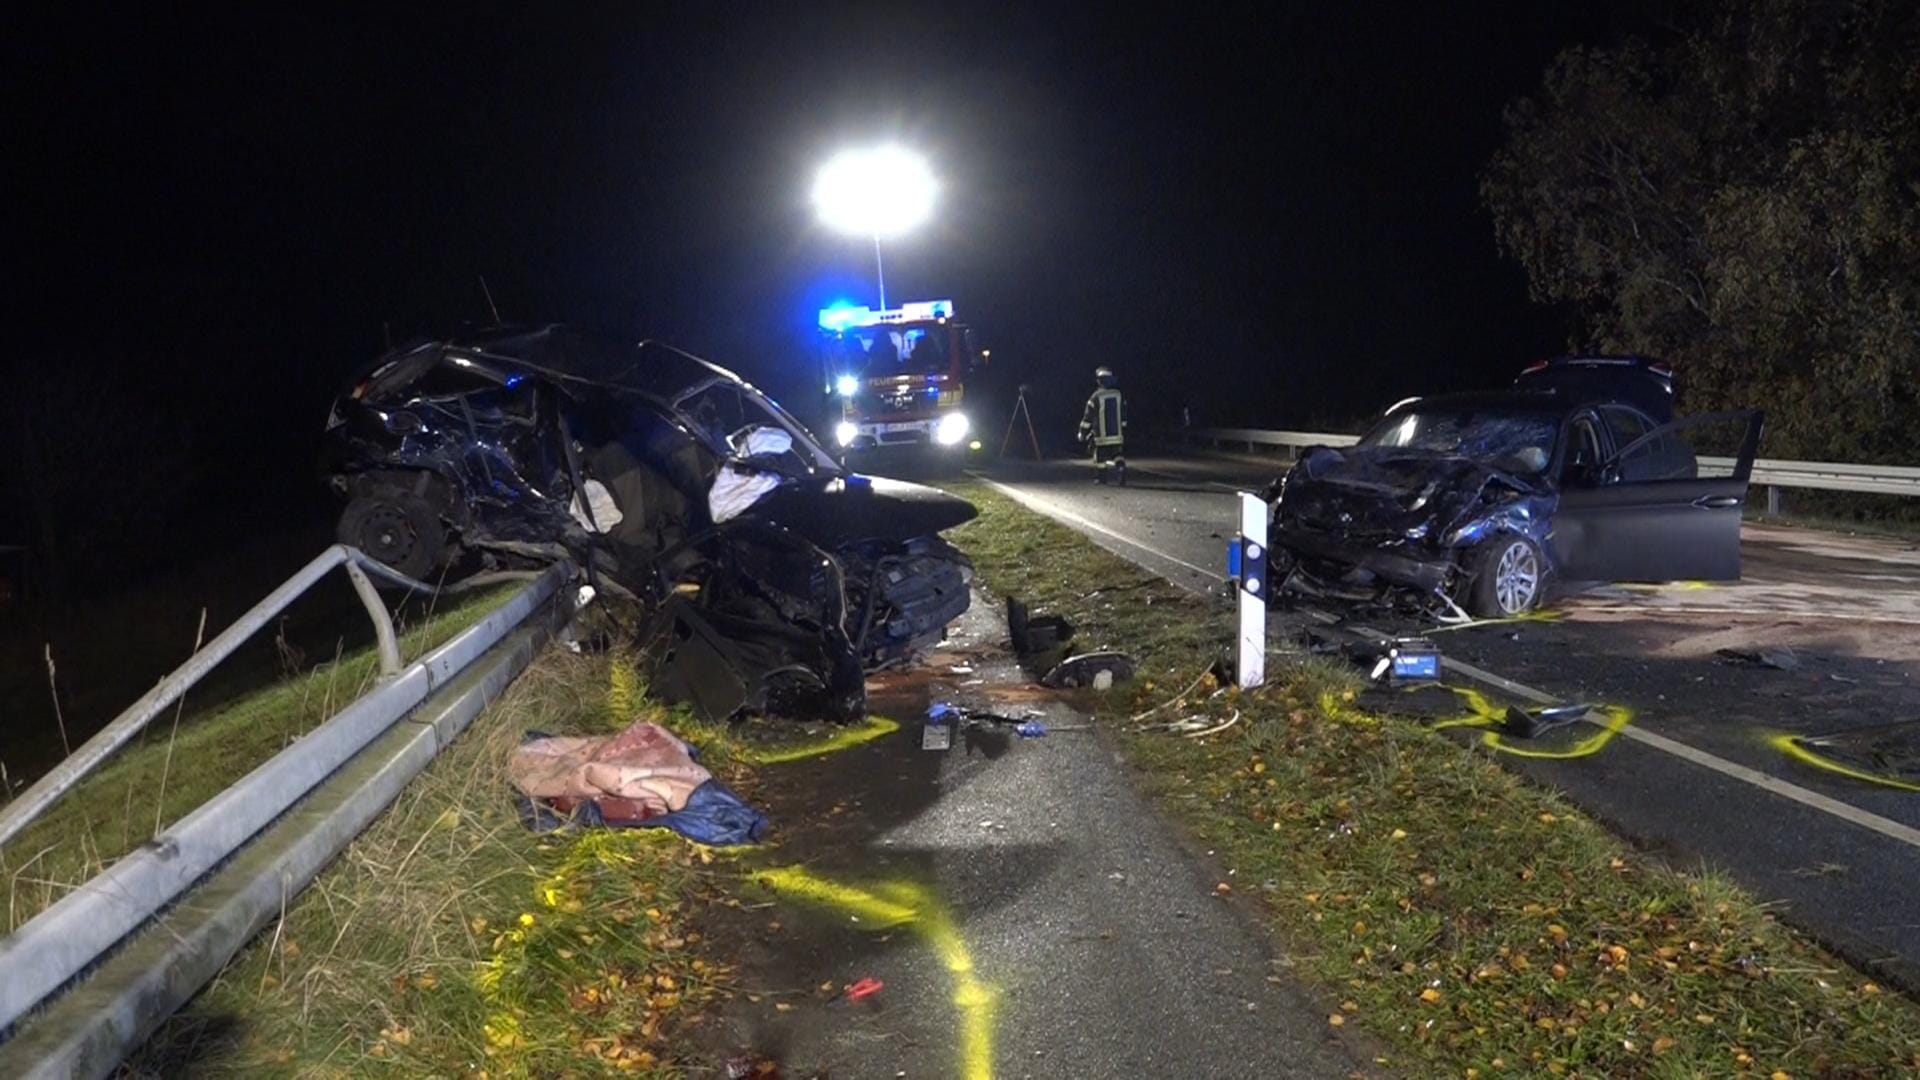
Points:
x=1742 y=199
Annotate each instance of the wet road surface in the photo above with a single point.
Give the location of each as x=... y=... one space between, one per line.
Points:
x=1025 y=909
x=1694 y=776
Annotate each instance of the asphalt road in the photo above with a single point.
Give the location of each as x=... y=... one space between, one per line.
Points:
x=1061 y=928
x=1693 y=776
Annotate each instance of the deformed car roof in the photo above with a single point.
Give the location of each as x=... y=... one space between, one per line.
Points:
x=570 y=354
x=1510 y=400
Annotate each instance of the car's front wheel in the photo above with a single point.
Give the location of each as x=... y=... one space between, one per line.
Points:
x=1509 y=578
x=396 y=527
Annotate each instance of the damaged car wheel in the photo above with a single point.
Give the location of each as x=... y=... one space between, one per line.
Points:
x=1509 y=578
x=395 y=527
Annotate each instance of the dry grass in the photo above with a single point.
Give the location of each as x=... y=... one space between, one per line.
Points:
x=1476 y=924
x=166 y=773
x=450 y=940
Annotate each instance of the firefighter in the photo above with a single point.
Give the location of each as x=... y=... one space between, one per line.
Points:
x=1103 y=427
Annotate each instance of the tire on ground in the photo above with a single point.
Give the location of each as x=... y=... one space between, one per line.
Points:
x=1486 y=598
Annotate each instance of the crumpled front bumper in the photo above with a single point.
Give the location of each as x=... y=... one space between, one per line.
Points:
x=1426 y=572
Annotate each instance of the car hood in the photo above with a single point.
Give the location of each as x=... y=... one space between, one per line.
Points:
x=854 y=508
x=1391 y=494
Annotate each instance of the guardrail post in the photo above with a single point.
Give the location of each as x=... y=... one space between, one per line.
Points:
x=382 y=620
x=1251 y=659
x=1773 y=500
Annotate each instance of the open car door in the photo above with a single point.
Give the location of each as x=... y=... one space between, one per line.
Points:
x=1649 y=514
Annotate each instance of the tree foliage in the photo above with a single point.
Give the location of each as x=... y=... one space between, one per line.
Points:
x=1742 y=199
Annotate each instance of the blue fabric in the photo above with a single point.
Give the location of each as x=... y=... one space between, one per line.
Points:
x=714 y=815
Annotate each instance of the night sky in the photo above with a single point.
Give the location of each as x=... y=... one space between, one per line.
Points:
x=1269 y=216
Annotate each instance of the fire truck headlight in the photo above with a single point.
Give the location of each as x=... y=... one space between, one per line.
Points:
x=953 y=427
x=845 y=431
x=847 y=385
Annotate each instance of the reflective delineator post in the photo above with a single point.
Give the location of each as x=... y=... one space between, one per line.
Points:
x=1252 y=652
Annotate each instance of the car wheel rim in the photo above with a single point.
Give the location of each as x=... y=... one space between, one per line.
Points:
x=1516 y=578
x=387 y=536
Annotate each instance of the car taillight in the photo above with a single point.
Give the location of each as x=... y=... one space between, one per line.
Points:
x=1530 y=369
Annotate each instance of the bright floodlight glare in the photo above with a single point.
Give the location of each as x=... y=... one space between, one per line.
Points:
x=880 y=192
x=848 y=385
x=845 y=432
x=951 y=429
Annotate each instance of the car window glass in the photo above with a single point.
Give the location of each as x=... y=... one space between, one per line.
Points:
x=446 y=379
x=1626 y=424
x=715 y=410
x=1696 y=446
x=1583 y=452
x=1503 y=437
x=515 y=403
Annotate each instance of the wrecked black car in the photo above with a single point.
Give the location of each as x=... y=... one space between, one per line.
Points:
x=1473 y=505
x=773 y=579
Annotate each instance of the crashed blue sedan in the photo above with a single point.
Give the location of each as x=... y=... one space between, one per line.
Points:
x=1476 y=505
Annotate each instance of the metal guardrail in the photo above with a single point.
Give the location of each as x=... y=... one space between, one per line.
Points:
x=1774 y=473
x=57 y=945
x=16 y=814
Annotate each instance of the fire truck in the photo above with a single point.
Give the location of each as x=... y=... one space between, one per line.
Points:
x=900 y=377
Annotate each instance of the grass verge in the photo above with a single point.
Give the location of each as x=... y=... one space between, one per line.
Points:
x=1473 y=923
x=163 y=774
x=448 y=940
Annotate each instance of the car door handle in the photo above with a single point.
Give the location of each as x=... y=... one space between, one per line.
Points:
x=1717 y=502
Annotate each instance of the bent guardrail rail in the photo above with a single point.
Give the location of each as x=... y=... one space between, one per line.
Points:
x=23 y=809
x=1772 y=473
x=54 y=947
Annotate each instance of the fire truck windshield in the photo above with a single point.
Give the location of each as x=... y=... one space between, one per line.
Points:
x=874 y=351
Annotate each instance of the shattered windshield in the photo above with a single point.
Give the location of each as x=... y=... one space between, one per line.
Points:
x=727 y=411
x=1517 y=440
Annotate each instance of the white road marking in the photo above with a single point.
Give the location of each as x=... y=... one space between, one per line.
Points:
x=1866 y=819
x=1055 y=510
x=1847 y=812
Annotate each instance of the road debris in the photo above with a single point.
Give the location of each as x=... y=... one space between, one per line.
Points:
x=1398 y=661
x=643 y=777
x=1035 y=634
x=1523 y=724
x=861 y=990
x=1778 y=657
x=1883 y=754
x=1098 y=670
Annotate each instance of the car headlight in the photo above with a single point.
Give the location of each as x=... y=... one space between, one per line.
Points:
x=952 y=428
x=847 y=385
x=845 y=431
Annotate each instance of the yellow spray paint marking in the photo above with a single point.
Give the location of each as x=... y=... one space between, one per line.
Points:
x=1792 y=747
x=1668 y=586
x=891 y=904
x=1482 y=713
x=1536 y=615
x=873 y=727
x=624 y=700
x=1617 y=718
